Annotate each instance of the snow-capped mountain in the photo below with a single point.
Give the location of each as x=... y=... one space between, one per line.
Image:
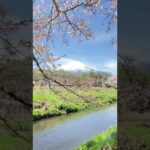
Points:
x=74 y=66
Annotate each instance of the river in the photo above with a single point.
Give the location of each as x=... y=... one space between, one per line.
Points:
x=69 y=131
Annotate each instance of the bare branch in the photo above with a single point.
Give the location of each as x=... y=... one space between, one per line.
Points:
x=60 y=84
x=15 y=97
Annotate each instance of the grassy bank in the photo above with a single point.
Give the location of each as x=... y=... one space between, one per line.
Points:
x=106 y=140
x=49 y=104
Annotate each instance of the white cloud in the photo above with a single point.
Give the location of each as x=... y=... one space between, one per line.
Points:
x=64 y=60
x=111 y=64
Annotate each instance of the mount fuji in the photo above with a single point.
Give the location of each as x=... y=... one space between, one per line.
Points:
x=74 y=66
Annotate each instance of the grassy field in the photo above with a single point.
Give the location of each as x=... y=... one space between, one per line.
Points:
x=106 y=140
x=10 y=142
x=136 y=130
x=49 y=104
x=135 y=134
x=17 y=135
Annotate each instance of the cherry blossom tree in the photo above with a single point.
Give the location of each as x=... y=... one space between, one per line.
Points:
x=65 y=19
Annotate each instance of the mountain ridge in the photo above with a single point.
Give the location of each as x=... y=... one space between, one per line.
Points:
x=75 y=66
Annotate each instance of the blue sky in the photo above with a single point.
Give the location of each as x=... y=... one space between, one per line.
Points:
x=96 y=53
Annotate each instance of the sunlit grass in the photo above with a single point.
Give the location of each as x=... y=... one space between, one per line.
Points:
x=65 y=102
x=106 y=139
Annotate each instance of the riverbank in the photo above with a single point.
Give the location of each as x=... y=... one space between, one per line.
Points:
x=50 y=104
x=106 y=140
x=67 y=132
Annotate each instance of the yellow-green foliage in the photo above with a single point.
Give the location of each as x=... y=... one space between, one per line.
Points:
x=106 y=139
x=57 y=105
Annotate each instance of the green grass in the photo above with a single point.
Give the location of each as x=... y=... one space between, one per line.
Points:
x=106 y=139
x=55 y=105
x=136 y=130
x=104 y=96
x=10 y=142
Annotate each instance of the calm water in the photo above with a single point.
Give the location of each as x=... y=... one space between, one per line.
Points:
x=68 y=132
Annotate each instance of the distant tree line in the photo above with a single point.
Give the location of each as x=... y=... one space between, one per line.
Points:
x=76 y=79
